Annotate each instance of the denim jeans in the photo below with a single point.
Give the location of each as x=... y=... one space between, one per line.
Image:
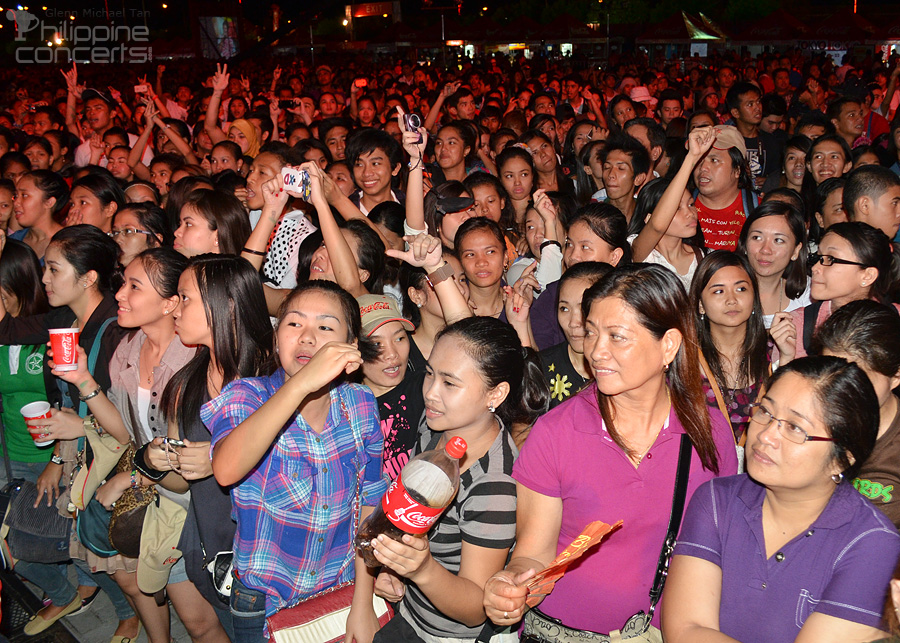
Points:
x=54 y=581
x=51 y=578
x=26 y=470
x=248 y=613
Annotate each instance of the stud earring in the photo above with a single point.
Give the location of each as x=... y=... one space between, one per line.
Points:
x=491 y=407
x=666 y=368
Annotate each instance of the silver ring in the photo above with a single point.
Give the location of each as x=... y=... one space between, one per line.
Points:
x=505 y=615
x=113 y=505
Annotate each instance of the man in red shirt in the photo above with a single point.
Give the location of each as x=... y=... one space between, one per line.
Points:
x=724 y=186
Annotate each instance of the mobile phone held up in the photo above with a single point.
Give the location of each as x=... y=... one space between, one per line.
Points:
x=296 y=182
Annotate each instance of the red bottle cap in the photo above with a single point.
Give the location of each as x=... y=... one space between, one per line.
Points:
x=456 y=448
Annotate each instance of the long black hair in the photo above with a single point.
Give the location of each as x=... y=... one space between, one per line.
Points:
x=754 y=364
x=659 y=301
x=232 y=295
x=20 y=275
x=795 y=275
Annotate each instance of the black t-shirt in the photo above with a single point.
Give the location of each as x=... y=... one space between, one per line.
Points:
x=400 y=410
x=416 y=361
x=763 y=154
x=564 y=380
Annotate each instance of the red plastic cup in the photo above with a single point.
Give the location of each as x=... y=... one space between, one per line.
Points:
x=64 y=342
x=37 y=411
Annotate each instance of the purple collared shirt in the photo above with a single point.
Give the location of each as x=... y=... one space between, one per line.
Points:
x=570 y=455
x=840 y=566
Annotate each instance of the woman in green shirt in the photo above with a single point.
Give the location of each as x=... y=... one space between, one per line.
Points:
x=21 y=367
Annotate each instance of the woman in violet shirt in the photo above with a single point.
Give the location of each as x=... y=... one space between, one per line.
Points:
x=610 y=453
x=790 y=551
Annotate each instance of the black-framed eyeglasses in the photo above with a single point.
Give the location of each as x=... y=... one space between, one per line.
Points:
x=128 y=232
x=788 y=430
x=828 y=260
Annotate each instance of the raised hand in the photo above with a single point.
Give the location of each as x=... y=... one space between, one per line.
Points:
x=700 y=140
x=220 y=78
x=450 y=89
x=424 y=250
x=544 y=206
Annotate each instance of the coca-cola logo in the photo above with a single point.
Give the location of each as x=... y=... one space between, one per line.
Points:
x=405 y=513
x=414 y=517
x=68 y=346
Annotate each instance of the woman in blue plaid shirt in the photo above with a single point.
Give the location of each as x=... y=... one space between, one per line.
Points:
x=303 y=451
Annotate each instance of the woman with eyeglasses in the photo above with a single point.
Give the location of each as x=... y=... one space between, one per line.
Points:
x=789 y=551
x=139 y=226
x=854 y=261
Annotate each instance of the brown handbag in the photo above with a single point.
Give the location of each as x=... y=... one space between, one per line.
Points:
x=127 y=519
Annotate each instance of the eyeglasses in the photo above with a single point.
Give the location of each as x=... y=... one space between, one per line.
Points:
x=789 y=431
x=128 y=232
x=828 y=260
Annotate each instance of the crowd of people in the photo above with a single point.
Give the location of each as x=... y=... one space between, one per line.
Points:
x=653 y=289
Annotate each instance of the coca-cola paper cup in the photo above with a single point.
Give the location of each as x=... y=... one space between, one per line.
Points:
x=37 y=411
x=64 y=341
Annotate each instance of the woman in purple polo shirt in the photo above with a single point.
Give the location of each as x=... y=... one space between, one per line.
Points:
x=790 y=551
x=610 y=453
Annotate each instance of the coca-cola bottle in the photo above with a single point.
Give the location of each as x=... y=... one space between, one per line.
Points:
x=415 y=500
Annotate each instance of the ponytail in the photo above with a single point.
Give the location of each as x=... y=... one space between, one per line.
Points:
x=500 y=357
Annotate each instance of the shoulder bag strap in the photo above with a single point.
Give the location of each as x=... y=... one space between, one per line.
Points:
x=678 y=500
x=720 y=400
x=92 y=358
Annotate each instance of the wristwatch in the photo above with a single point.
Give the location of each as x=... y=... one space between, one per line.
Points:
x=55 y=459
x=441 y=274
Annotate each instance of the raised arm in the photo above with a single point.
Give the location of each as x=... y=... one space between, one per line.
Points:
x=183 y=147
x=889 y=92
x=549 y=267
x=274 y=200
x=211 y=122
x=235 y=455
x=699 y=143
x=425 y=251
x=137 y=152
x=447 y=92
x=343 y=263
x=414 y=145
x=73 y=93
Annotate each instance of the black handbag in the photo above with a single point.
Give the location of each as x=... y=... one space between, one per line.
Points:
x=37 y=535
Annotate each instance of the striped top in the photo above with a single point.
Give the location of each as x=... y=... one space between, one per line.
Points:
x=483 y=514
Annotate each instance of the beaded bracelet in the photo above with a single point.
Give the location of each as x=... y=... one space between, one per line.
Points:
x=134 y=480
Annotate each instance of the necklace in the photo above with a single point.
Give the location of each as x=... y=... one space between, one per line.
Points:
x=638 y=458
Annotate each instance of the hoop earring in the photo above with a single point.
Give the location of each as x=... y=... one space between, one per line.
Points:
x=837 y=478
x=666 y=368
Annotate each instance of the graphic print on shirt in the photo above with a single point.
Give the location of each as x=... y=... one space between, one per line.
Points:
x=874 y=490
x=397 y=430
